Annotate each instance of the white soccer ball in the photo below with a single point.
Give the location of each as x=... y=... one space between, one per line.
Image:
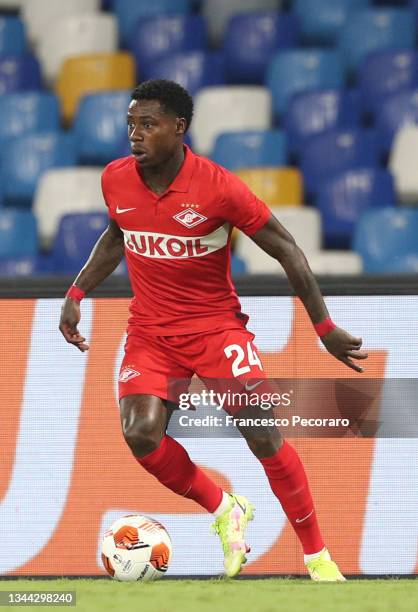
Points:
x=136 y=547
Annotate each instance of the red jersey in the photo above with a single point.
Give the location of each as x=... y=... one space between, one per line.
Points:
x=177 y=244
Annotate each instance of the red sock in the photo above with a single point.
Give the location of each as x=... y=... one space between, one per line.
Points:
x=289 y=484
x=172 y=466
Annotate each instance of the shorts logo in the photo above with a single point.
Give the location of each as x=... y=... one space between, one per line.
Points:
x=189 y=217
x=127 y=373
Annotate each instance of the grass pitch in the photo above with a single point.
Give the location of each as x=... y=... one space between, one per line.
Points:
x=223 y=595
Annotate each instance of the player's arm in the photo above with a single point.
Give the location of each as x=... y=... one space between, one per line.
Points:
x=275 y=240
x=104 y=258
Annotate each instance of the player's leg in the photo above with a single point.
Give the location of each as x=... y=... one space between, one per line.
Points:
x=144 y=421
x=279 y=459
x=144 y=377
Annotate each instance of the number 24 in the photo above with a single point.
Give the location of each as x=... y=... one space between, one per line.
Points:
x=237 y=368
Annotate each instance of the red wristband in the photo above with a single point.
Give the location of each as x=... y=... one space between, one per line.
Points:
x=75 y=293
x=324 y=327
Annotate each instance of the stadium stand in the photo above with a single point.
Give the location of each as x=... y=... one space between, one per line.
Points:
x=250 y=149
x=76 y=35
x=17 y=233
x=298 y=70
x=154 y=38
x=233 y=108
x=323 y=96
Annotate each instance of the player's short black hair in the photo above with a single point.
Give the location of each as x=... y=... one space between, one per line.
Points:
x=172 y=96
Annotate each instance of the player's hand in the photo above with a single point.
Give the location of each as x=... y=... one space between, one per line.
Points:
x=70 y=317
x=344 y=347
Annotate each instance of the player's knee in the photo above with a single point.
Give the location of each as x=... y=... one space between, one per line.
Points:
x=142 y=428
x=264 y=446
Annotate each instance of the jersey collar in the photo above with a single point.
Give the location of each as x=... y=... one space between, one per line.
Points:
x=182 y=181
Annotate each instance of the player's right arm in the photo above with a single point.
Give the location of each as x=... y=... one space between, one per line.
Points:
x=104 y=259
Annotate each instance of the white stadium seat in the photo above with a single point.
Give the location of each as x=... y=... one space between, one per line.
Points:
x=403 y=164
x=218 y=13
x=303 y=223
x=64 y=191
x=76 y=35
x=335 y=262
x=40 y=14
x=228 y=109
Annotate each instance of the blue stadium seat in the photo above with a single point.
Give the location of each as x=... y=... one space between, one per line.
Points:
x=264 y=33
x=25 y=158
x=311 y=113
x=249 y=149
x=26 y=265
x=100 y=126
x=299 y=70
x=156 y=37
x=385 y=73
x=12 y=36
x=321 y=20
x=76 y=236
x=18 y=235
x=25 y=112
x=396 y=111
x=342 y=199
x=385 y=237
x=336 y=151
x=192 y=69
x=371 y=29
x=19 y=73
x=238 y=265
x=129 y=12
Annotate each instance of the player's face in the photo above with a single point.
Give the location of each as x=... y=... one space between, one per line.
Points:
x=154 y=134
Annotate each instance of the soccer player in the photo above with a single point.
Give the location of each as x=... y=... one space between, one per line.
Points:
x=171 y=212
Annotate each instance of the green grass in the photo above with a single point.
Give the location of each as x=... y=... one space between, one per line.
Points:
x=219 y=595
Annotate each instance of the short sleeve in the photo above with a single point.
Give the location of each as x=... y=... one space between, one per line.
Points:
x=242 y=208
x=105 y=190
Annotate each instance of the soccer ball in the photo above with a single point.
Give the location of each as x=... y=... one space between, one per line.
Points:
x=136 y=548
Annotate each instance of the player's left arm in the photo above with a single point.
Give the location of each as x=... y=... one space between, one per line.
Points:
x=276 y=241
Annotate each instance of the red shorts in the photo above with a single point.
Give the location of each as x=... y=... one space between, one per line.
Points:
x=151 y=363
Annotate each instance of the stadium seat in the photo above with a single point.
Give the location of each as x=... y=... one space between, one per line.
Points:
x=25 y=265
x=397 y=111
x=11 y=5
x=302 y=70
x=100 y=126
x=402 y=264
x=249 y=149
x=335 y=151
x=76 y=35
x=19 y=73
x=321 y=20
x=309 y=114
x=371 y=29
x=26 y=112
x=129 y=12
x=92 y=73
x=385 y=73
x=264 y=33
x=25 y=158
x=403 y=164
x=76 y=236
x=384 y=236
x=275 y=186
x=17 y=233
x=64 y=191
x=219 y=12
x=303 y=223
x=156 y=37
x=12 y=36
x=340 y=263
x=41 y=15
x=238 y=265
x=342 y=199
x=232 y=109
x=193 y=70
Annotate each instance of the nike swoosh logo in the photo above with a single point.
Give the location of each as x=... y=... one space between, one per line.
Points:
x=123 y=210
x=305 y=517
x=251 y=387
